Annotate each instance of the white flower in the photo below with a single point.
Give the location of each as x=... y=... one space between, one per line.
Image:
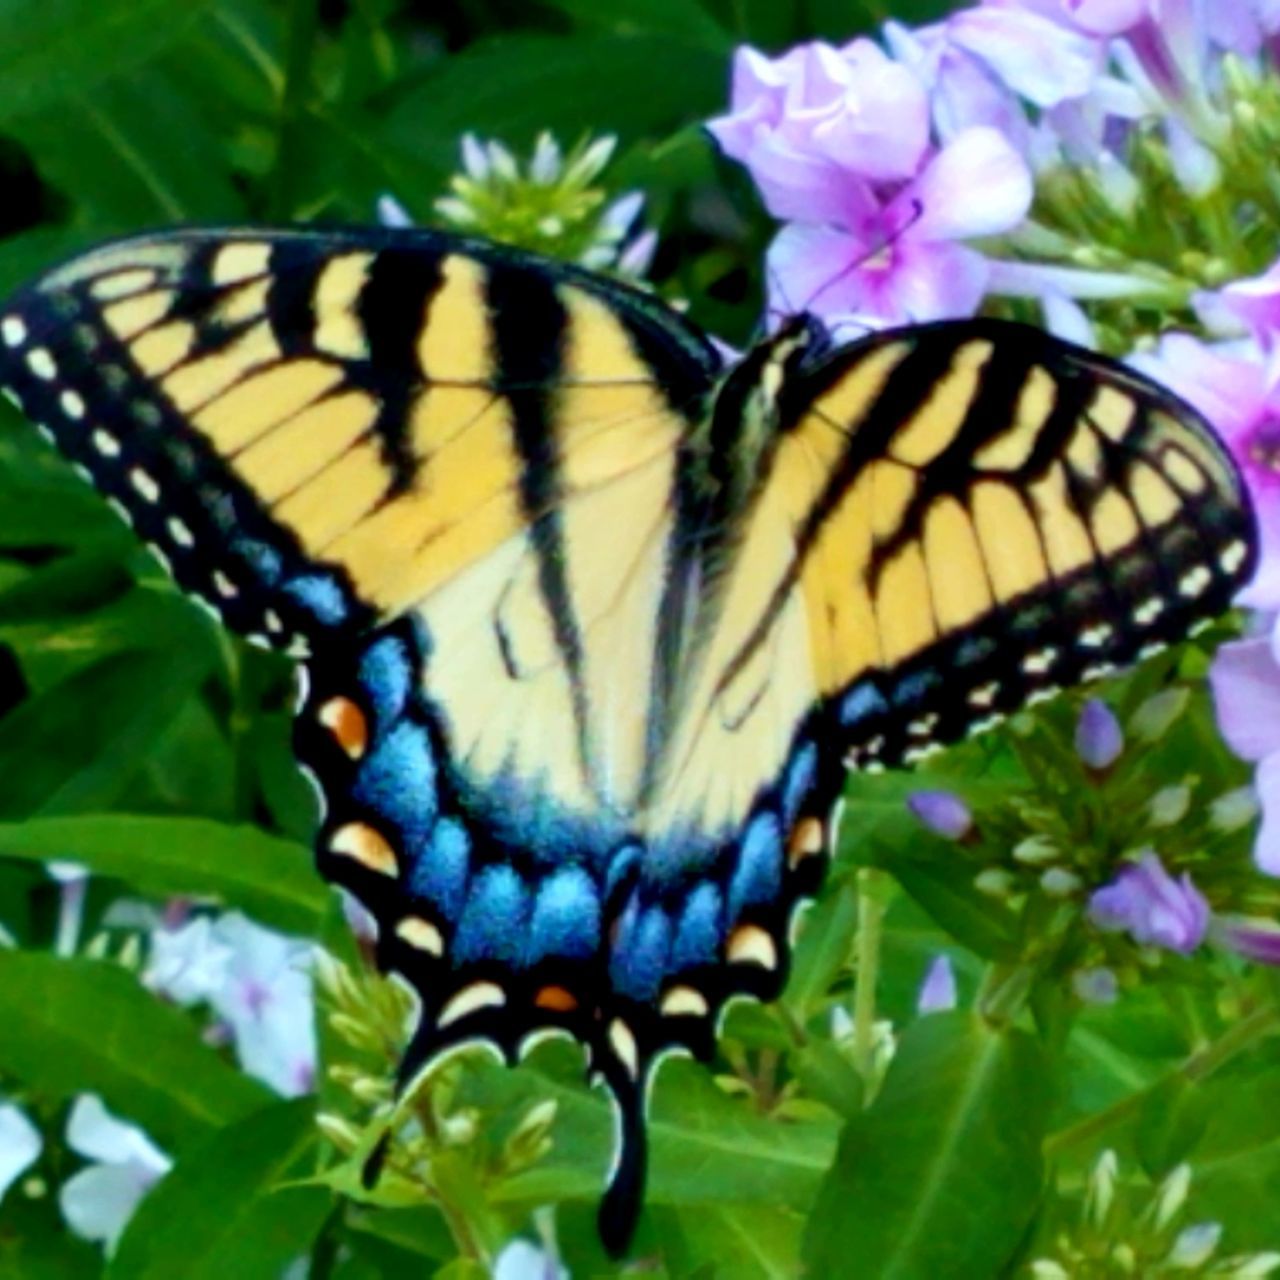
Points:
x=521 y=1260
x=188 y=964
x=98 y=1201
x=267 y=1001
x=20 y=1145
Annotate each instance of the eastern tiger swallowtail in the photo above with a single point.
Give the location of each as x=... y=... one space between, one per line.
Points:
x=593 y=619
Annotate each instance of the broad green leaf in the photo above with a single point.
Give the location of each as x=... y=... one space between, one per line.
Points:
x=77 y=745
x=59 y=49
x=138 y=151
x=684 y=19
x=74 y=1026
x=582 y=84
x=942 y=1174
x=823 y=948
x=70 y=585
x=704 y=1146
x=240 y=866
x=741 y=1241
x=223 y=1211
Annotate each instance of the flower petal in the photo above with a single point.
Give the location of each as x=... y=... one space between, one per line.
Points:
x=98 y=1201
x=1040 y=60
x=1266 y=847
x=1246 y=693
x=20 y=1146
x=977 y=185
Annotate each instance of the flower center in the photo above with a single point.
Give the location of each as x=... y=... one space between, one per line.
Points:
x=1264 y=447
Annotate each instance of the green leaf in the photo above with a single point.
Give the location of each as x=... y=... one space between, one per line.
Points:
x=74 y=1026
x=222 y=1210
x=684 y=19
x=272 y=879
x=58 y=49
x=756 y=1241
x=823 y=949
x=942 y=1175
x=586 y=83
x=77 y=745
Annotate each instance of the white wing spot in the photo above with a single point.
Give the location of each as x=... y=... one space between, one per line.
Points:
x=145 y=485
x=1095 y=637
x=72 y=403
x=623 y=1042
x=1148 y=611
x=1098 y=670
x=1194 y=581
x=13 y=330
x=224 y=586
x=924 y=726
x=272 y=619
x=1234 y=556
x=984 y=695
x=179 y=532
x=1150 y=650
x=105 y=443
x=1036 y=664
x=40 y=361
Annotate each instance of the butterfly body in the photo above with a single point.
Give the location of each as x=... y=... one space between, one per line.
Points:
x=593 y=619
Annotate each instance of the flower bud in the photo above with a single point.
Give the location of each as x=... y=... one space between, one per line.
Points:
x=942 y=812
x=1099 y=740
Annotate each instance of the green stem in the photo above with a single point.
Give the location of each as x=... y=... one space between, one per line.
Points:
x=1198 y=1066
x=301 y=21
x=871 y=905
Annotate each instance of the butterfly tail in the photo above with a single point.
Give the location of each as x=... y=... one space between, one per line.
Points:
x=624 y=1192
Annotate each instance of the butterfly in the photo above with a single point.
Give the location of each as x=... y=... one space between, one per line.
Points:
x=593 y=618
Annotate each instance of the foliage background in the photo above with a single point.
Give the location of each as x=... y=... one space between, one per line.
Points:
x=140 y=741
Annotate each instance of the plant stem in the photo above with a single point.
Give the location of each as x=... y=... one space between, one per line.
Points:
x=871 y=905
x=1198 y=1066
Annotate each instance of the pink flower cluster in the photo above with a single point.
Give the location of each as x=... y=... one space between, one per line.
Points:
x=841 y=145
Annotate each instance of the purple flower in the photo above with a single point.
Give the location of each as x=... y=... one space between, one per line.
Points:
x=899 y=260
x=1145 y=901
x=938 y=990
x=1245 y=680
x=943 y=812
x=1239 y=392
x=1255 y=939
x=817 y=126
x=1251 y=306
x=1099 y=739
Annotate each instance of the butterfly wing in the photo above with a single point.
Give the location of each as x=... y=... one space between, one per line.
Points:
x=443 y=473
x=316 y=429
x=956 y=520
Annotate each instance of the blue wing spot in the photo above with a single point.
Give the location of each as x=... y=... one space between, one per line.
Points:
x=494 y=920
x=566 y=916
x=440 y=874
x=321 y=596
x=639 y=961
x=700 y=929
x=398 y=780
x=863 y=702
x=801 y=773
x=386 y=675
x=974 y=649
x=913 y=689
x=758 y=875
x=262 y=559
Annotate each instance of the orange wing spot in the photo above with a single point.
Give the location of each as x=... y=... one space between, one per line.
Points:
x=807 y=840
x=347 y=723
x=556 y=999
x=367 y=846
